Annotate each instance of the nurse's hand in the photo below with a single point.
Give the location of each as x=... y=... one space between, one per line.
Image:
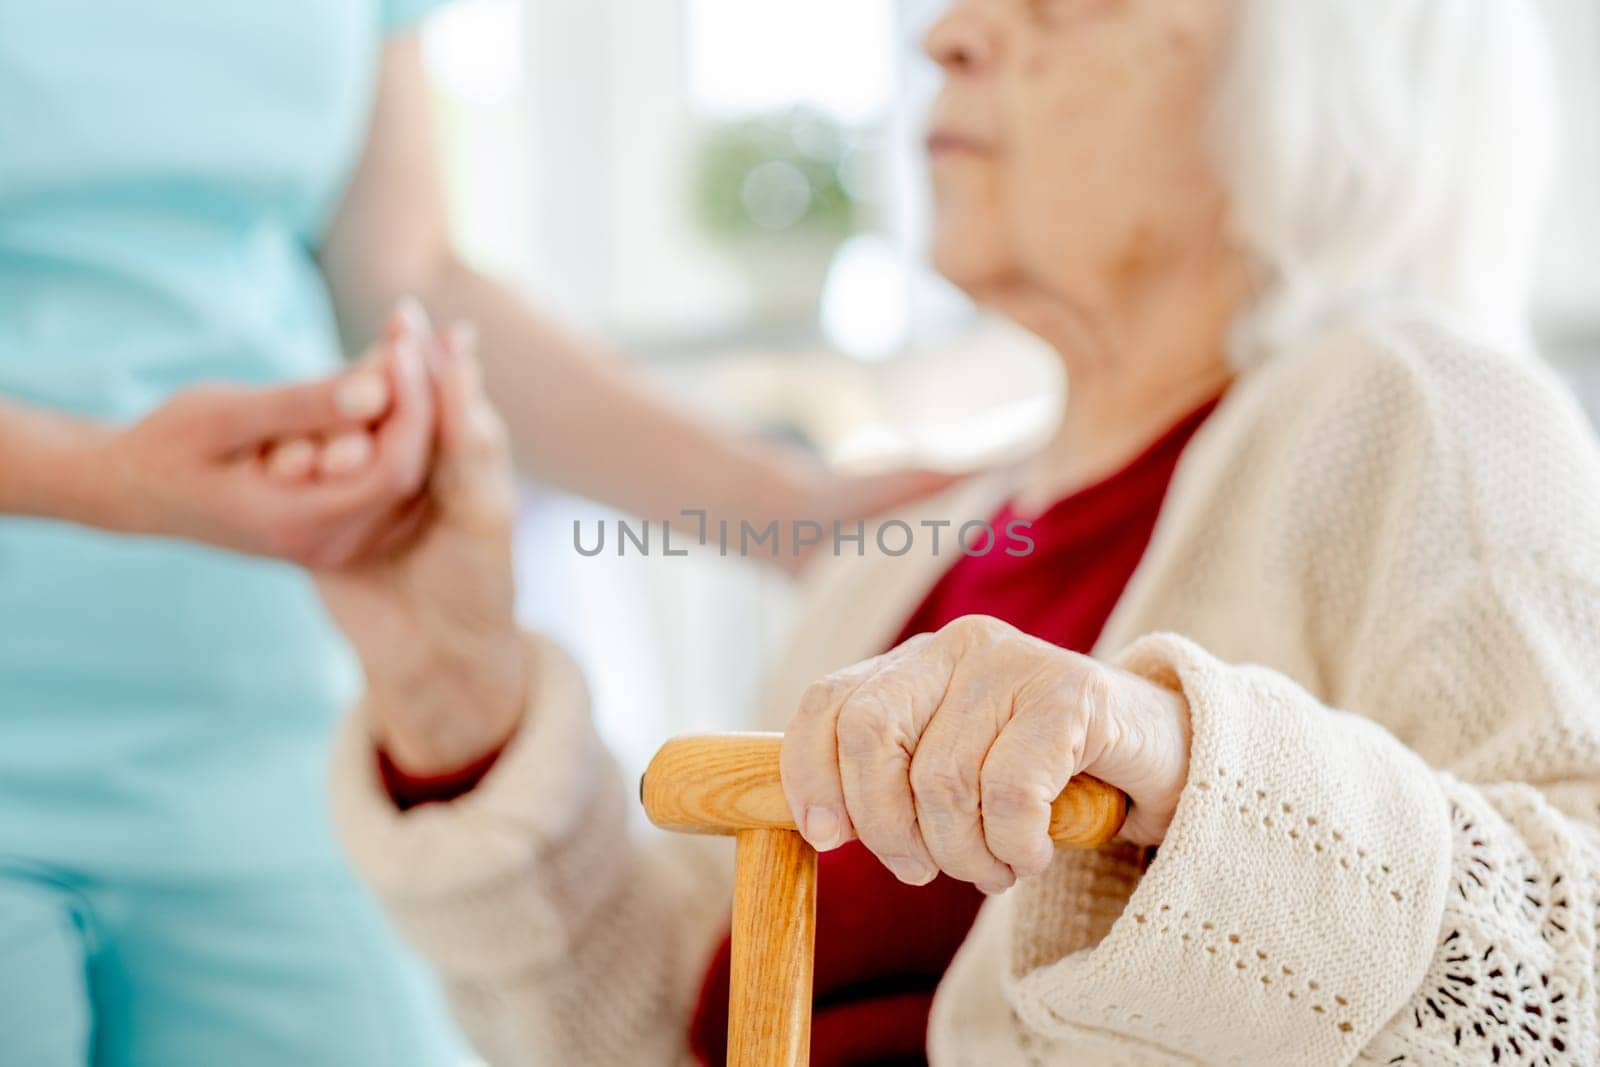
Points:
x=944 y=754
x=432 y=619
x=205 y=465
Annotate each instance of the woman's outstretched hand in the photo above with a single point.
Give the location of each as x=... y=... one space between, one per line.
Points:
x=432 y=616
x=827 y=496
x=207 y=465
x=944 y=754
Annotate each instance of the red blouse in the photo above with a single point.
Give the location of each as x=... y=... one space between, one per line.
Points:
x=883 y=946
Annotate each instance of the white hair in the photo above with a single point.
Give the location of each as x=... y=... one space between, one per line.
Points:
x=1390 y=151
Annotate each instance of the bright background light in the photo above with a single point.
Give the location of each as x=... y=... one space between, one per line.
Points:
x=749 y=56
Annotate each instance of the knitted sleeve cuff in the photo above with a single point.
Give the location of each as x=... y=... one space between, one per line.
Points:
x=488 y=884
x=1295 y=902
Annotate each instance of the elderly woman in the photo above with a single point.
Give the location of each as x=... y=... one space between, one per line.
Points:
x=1315 y=580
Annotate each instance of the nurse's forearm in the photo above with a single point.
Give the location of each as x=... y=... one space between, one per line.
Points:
x=47 y=464
x=582 y=420
x=576 y=417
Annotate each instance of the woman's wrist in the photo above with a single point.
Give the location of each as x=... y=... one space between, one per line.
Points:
x=54 y=465
x=771 y=481
x=451 y=708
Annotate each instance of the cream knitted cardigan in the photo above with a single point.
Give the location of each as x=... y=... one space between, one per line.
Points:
x=1387 y=521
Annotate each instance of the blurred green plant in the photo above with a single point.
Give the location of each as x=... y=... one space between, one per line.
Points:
x=786 y=173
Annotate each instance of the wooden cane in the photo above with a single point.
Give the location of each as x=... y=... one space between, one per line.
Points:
x=729 y=784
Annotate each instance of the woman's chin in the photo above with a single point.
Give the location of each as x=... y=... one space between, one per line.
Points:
x=971 y=266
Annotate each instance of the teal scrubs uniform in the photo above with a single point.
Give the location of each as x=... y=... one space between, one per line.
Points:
x=170 y=890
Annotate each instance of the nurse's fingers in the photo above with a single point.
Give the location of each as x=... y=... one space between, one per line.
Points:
x=367 y=479
x=231 y=417
x=357 y=484
x=291 y=461
x=299 y=459
x=441 y=442
x=346 y=454
x=337 y=452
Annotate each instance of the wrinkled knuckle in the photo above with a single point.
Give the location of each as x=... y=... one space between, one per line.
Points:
x=892 y=690
x=1094 y=687
x=914 y=646
x=832 y=690
x=940 y=781
x=866 y=730
x=964 y=627
x=1006 y=800
x=820 y=696
x=812 y=711
x=974 y=632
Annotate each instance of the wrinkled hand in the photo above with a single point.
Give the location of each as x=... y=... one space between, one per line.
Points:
x=432 y=620
x=205 y=465
x=944 y=754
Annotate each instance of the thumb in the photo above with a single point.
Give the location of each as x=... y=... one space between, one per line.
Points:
x=460 y=391
x=473 y=454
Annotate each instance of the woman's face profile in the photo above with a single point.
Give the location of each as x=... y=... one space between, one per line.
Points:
x=1068 y=145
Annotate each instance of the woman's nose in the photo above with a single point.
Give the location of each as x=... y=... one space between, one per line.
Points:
x=959 y=42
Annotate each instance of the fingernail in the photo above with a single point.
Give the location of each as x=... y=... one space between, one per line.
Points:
x=346 y=453
x=910 y=871
x=363 y=395
x=821 y=830
x=995 y=888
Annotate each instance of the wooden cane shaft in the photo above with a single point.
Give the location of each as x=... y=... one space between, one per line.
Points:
x=774 y=935
x=725 y=783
